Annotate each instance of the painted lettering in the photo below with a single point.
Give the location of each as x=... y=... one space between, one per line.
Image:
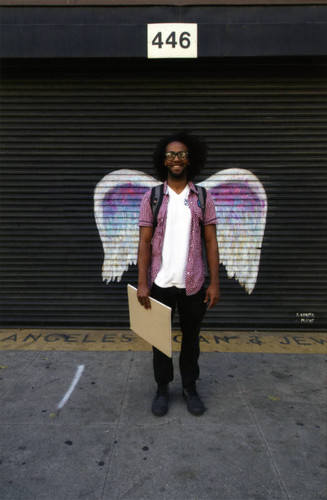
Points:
x=305 y=317
x=85 y=339
x=13 y=338
x=126 y=337
x=108 y=337
x=54 y=337
x=71 y=338
x=319 y=341
x=255 y=340
x=203 y=339
x=300 y=341
x=35 y=338
x=224 y=339
x=287 y=341
x=177 y=338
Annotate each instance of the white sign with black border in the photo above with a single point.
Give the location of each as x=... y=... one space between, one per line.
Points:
x=172 y=40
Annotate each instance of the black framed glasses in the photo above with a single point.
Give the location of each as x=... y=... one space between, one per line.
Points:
x=181 y=155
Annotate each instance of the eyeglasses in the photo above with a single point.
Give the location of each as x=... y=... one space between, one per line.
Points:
x=182 y=155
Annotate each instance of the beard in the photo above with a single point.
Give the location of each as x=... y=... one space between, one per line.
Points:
x=178 y=175
x=182 y=173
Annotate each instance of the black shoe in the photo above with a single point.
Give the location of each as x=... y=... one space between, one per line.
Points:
x=160 y=402
x=193 y=401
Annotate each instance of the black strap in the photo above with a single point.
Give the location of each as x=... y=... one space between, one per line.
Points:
x=155 y=202
x=157 y=197
x=202 y=197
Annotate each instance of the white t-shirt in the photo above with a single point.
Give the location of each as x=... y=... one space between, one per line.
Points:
x=176 y=241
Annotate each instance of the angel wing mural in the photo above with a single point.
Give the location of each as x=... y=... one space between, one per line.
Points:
x=241 y=208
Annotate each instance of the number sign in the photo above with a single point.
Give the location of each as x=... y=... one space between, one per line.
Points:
x=172 y=40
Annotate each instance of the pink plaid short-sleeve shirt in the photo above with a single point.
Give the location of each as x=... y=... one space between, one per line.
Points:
x=195 y=268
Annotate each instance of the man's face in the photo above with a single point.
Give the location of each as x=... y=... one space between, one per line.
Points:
x=177 y=166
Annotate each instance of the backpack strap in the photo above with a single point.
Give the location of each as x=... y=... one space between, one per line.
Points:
x=155 y=202
x=157 y=197
x=202 y=198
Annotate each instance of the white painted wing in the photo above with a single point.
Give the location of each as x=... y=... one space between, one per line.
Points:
x=241 y=208
x=117 y=199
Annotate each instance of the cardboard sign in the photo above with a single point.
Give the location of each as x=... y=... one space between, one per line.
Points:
x=153 y=325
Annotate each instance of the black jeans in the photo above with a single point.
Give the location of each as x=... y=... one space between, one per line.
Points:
x=191 y=310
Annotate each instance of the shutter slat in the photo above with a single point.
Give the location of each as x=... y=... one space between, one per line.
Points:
x=64 y=127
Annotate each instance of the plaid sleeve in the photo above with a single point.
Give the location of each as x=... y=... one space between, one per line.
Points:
x=146 y=217
x=210 y=211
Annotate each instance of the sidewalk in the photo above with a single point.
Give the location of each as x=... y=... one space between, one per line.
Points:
x=263 y=435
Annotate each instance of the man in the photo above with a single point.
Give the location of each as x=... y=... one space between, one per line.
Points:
x=170 y=261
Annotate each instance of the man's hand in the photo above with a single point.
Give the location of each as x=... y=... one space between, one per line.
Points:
x=143 y=294
x=212 y=295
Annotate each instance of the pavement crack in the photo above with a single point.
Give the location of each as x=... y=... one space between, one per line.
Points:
x=266 y=445
x=116 y=430
x=135 y=486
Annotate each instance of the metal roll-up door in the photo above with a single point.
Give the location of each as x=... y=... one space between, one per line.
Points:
x=66 y=124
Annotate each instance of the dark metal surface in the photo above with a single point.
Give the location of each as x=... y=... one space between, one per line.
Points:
x=108 y=3
x=223 y=31
x=66 y=124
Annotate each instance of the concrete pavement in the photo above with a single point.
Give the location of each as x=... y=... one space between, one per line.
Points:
x=263 y=435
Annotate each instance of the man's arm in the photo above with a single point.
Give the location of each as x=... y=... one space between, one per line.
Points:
x=210 y=238
x=143 y=261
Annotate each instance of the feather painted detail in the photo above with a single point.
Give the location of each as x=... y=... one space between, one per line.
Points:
x=241 y=208
x=117 y=200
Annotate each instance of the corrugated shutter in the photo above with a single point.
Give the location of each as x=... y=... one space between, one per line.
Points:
x=67 y=124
